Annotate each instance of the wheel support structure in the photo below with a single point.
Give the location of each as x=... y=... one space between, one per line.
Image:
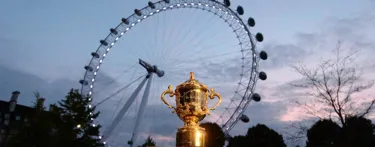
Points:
x=151 y=69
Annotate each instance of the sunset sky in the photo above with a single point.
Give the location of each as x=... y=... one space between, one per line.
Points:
x=45 y=45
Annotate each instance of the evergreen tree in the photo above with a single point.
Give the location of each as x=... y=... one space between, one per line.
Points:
x=76 y=128
x=149 y=142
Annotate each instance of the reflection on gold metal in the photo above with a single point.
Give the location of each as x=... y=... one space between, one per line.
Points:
x=191 y=108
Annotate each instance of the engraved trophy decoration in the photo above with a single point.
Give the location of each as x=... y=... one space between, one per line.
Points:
x=191 y=108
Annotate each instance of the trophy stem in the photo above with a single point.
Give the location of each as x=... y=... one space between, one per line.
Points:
x=191 y=121
x=191 y=134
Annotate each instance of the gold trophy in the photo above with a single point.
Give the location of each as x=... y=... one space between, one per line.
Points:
x=191 y=107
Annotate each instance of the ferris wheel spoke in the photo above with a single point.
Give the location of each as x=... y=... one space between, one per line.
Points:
x=195 y=47
x=114 y=79
x=141 y=109
x=178 y=75
x=149 y=46
x=178 y=62
x=123 y=110
x=159 y=54
x=121 y=99
x=208 y=48
x=149 y=52
x=194 y=37
x=207 y=29
x=207 y=38
x=210 y=56
x=177 y=44
x=168 y=41
x=118 y=91
x=155 y=40
x=187 y=40
x=202 y=58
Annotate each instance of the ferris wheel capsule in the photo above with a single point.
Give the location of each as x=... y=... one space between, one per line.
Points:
x=113 y=31
x=251 y=22
x=103 y=42
x=240 y=10
x=262 y=75
x=95 y=55
x=256 y=97
x=227 y=3
x=263 y=55
x=83 y=82
x=244 y=118
x=259 y=37
x=138 y=12
x=125 y=21
x=151 y=5
x=89 y=68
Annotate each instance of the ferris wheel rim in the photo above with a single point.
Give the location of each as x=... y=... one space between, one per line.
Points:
x=93 y=67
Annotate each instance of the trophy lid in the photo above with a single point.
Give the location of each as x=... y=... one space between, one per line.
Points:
x=192 y=83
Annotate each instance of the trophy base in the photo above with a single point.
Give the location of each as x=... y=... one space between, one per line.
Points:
x=190 y=136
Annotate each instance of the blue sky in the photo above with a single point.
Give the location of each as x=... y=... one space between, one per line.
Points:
x=40 y=27
x=45 y=44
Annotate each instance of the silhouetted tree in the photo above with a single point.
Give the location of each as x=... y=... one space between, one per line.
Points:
x=358 y=131
x=76 y=127
x=149 y=142
x=239 y=141
x=215 y=135
x=323 y=133
x=331 y=85
x=259 y=136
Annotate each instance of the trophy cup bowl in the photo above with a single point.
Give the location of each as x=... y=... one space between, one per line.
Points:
x=191 y=107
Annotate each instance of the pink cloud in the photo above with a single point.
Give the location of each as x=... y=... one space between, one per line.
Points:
x=293 y=114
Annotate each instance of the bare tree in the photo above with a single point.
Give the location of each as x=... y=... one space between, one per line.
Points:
x=332 y=85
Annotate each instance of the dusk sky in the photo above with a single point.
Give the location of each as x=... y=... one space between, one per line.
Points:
x=45 y=45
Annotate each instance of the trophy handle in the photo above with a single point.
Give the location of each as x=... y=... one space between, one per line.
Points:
x=212 y=95
x=171 y=94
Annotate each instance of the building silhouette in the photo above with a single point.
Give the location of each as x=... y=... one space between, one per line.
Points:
x=13 y=116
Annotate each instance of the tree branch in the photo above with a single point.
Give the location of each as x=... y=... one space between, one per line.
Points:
x=332 y=84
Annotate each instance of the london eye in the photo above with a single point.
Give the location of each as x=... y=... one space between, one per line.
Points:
x=159 y=45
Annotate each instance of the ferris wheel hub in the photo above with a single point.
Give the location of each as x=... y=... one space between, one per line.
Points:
x=151 y=68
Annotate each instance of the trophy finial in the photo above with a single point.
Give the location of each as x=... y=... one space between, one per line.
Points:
x=192 y=77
